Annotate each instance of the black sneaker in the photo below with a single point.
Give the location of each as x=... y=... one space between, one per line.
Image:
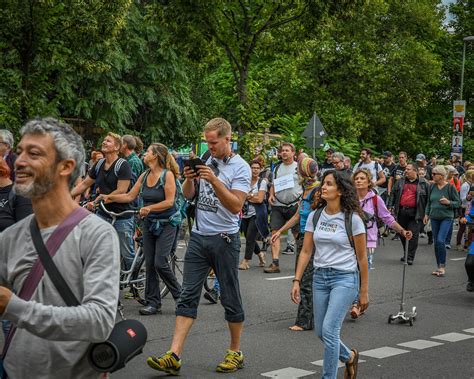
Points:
x=470 y=287
x=212 y=296
x=290 y=250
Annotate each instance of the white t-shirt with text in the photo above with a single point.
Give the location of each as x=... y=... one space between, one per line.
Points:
x=332 y=246
x=211 y=216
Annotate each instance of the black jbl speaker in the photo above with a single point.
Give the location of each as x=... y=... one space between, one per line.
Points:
x=125 y=342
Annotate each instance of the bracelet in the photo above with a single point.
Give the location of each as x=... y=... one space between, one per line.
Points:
x=296 y=280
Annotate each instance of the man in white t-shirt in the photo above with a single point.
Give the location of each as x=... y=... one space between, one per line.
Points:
x=284 y=196
x=378 y=176
x=222 y=187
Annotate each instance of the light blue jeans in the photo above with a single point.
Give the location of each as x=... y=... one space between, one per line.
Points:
x=333 y=293
x=125 y=229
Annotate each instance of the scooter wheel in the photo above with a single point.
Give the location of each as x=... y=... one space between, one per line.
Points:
x=390 y=319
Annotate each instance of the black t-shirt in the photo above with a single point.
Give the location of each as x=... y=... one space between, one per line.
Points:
x=398 y=172
x=11 y=213
x=387 y=170
x=107 y=180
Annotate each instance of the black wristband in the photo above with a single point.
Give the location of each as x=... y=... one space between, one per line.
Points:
x=296 y=280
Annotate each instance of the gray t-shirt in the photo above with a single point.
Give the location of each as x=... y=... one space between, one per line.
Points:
x=52 y=339
x=332 y=246
x=288 y=196
x=211 y=216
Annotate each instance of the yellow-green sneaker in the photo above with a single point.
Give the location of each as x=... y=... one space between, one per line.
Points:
x=168 y=362
x=233 y=361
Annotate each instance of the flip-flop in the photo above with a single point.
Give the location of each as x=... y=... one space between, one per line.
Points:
x=293 y=328
x=440 y=274
x=351 y=368
x=435 y=273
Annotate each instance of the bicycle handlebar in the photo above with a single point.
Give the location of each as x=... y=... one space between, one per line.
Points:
x=114 y=214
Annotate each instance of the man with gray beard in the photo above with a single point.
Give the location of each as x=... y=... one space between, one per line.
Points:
x=49 y=339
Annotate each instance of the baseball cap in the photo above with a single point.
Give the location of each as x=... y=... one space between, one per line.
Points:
x=329 y=150
x=420 y=157
x=387 y=154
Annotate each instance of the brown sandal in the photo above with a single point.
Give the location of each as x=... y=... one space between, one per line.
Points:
x=351 y=368
x=355 y=312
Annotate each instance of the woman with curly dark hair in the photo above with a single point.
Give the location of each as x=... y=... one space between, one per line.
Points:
x=340 y=267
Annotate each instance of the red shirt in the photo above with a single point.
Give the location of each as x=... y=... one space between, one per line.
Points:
x=408 y=198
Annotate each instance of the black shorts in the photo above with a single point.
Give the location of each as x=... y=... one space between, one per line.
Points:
x=280 y=215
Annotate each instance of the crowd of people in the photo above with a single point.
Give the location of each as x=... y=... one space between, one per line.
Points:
x=334 y=213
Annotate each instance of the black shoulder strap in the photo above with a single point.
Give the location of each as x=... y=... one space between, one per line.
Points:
x=98 y=166
x=348 y=226
x=275 y=170
x=11 y=201
x=316 y=216
x=52 y=270
x=259 y=182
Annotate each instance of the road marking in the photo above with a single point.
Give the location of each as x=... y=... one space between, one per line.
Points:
x=339 y=363
x=452 y=337
x=281 y=278
x=288 y=373
x=469 y=330
x=419 y=344
x=457 y=259
x=383 y=352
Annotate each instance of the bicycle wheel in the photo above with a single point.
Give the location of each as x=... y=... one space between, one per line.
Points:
x=176 y=265
x=138 y=278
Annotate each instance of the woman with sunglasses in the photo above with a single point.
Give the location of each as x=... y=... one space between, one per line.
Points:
x=442 y=200
x=340 y=267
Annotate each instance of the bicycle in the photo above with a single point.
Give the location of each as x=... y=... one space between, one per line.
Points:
x=135 y=276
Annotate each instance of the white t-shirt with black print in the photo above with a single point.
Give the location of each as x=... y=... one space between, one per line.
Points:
x=333 y=248
x=211 y=216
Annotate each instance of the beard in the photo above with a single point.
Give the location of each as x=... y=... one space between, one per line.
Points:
x=39 y=187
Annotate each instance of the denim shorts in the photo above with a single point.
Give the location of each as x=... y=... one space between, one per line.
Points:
x=221 y=252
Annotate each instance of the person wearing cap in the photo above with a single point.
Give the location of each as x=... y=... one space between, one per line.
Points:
x=327 y=163
x=421 y=162
x=408 y=201
x=307 y=169
x=387 y=166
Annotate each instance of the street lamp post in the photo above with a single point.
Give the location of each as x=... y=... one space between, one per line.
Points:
x=465 y=39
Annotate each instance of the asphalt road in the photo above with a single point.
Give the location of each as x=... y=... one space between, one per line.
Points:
x=439 y=345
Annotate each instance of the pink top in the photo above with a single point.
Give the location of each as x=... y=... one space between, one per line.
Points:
x=383 y=214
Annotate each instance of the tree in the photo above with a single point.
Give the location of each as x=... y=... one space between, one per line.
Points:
x=43 y=44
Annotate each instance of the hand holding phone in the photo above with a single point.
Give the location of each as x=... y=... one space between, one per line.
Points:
x=192 y=163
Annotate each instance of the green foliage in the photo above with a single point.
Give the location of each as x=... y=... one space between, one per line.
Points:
x=101 y=64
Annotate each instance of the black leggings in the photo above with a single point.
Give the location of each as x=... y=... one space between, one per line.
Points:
x=249 y=228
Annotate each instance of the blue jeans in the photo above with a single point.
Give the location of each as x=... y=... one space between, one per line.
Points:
x=333 y=293
x=125 y=229
x=440 y=229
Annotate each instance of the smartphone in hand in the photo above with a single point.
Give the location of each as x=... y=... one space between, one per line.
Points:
x=192 y=163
